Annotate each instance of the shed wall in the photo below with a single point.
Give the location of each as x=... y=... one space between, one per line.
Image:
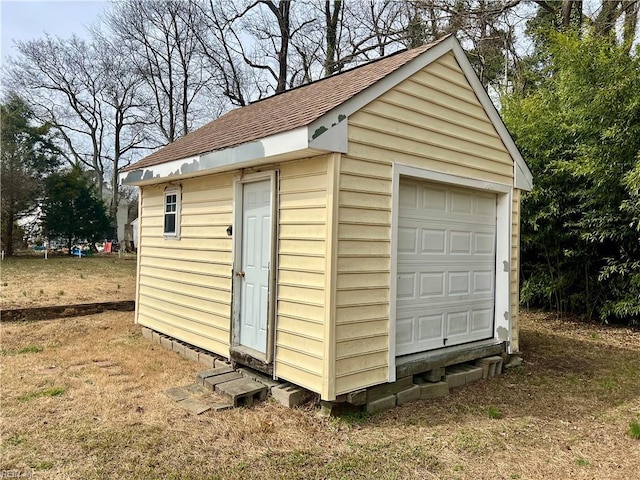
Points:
x=185 y=283
x=302 y=248
x=434 y=121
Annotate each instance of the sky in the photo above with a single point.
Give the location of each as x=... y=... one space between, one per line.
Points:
x=30 y=19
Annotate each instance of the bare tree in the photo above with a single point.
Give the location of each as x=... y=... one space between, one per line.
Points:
x=163 y=51
x=127 y=117
x=61 y=81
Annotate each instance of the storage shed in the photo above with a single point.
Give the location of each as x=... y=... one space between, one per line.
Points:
x=340 y=234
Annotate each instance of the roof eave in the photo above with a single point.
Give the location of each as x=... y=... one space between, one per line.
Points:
x=279 y=147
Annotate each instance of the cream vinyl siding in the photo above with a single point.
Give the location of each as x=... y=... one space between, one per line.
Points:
x=302 y=232
x=515 y=271
x=362 y=281
x=434 y=121
x=185 y=283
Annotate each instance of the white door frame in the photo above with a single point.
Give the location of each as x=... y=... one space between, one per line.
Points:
x=238 y=188
x=504 y=193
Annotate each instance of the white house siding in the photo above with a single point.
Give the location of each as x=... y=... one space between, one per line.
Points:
x=185 y=283
x=434 y=121
x=302 y=243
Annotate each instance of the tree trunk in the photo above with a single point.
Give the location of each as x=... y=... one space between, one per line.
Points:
x=331 y=20
x=631 y=10
x=606 y=19
x=8 y=248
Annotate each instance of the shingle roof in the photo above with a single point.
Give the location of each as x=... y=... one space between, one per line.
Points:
x=280 y=113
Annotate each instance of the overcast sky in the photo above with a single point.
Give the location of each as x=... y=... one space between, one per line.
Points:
x=29 y=19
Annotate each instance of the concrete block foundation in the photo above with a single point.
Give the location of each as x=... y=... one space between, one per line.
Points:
x=245 y=386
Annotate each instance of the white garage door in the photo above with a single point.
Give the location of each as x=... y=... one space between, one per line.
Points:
x=446 y=266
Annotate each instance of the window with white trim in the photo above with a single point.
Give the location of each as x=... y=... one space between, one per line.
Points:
x=172 y=212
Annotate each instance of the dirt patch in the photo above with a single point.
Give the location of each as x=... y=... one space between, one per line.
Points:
x=32 y=281
x=83 y=398
x=64 y=311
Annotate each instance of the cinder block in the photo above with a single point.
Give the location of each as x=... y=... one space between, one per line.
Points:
x=342 y=398
x=156 y=337
x=434 y=390
x=254 y=375
x=459 y=375
x=359 y=397
x=408 y=395
x=290 y=395
x=204 y=374
x=195 y=389
x=206 y=359
x=435 y=375
x=474 y=374
x=147 y=333
x=381 y=404
x=222 y=362
x=386 y=389
x=490 y=366
x=194 y=406
x=499 y=367
x=166 y=342
x=190 y=354
x=210 y=383
x=178 y=347
x=456 y=379
x=242 y=391
x=333 y=409
x=177 y=394
x=514 y=361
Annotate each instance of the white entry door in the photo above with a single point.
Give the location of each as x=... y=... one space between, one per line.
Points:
x=446 y=254
x=256 y=257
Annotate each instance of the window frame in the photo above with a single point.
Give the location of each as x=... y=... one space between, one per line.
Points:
x=168 y=192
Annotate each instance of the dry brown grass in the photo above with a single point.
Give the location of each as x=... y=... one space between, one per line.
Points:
x=32 y=281
x=84 y=400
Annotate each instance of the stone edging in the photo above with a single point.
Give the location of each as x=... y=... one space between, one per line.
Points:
x=64 y=311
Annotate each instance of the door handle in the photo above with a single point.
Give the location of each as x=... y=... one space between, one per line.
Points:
x=240 y=274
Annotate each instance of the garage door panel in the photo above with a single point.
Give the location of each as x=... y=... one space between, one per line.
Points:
x=482 y=319
x=460 y=242
x=438 y=238
x=457 y=324
x=432 y=284
x=484 y=243
x=459 y=283
x=433 y=241
x=408 y=240
x=461 y=203
x=406 y=286
x=434 y=199
x=483 y=282
x=442 y=283
x=445 y=265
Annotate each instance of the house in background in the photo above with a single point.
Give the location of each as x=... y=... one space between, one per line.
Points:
x=342 y=234
x=122 y=214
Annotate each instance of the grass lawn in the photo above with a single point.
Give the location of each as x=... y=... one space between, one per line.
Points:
x=82 y=398
x=32 y=281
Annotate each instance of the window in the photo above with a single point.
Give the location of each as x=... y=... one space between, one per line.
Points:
x=171 y=213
